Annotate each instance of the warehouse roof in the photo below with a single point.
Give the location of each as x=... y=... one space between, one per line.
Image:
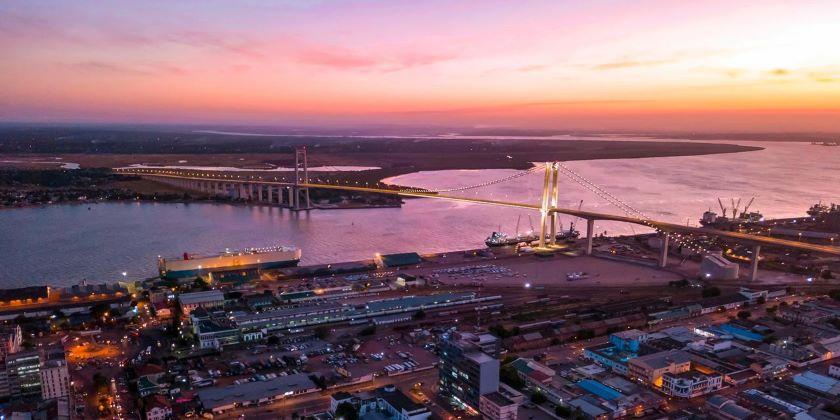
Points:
x=212 y=398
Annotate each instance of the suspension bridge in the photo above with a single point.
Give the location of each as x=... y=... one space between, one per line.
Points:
x=294 y=194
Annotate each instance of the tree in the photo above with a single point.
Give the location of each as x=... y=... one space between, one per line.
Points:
x=273 y=340
x=744 y=314
x=761 y=300
x=420 y=314
x=200 y=284
x=346 y=411
x=712 y=291
x=834 y=294
x=321 y=332
x=538 y=398
x=371 y=330
x=99 y=310
x=508 y=375
x=100 y=383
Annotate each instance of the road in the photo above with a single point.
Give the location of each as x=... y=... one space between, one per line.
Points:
x=318 y=402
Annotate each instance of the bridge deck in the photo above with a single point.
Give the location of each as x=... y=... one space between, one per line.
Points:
x=742 y=238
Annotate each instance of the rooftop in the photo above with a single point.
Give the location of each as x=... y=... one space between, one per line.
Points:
x=662 y=359
x=818 y=382
x=630 y=334
x=396 y=260
x=498 y=399
x=398 y=400
x=201 y=297
x=252 y=391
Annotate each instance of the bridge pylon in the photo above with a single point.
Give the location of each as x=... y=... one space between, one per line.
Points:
x=548 y=219
x=299 y=199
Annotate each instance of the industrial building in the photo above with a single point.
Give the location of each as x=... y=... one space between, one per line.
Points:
x=220 y=399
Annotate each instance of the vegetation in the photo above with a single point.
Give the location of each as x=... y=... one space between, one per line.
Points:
x=346 y=411
x=712 y=291
x=509 y=376
x=744 y=314
x=538 y=398
x=420 y=314
x=321 y=332
x=834 y=294
x=100 y=383
x=367 y=331
x=585 y=334
x=500 y=331
x=568 y=413
x=679 y=283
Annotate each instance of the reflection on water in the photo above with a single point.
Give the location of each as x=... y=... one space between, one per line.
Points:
x=64 y=244
x=235 y=169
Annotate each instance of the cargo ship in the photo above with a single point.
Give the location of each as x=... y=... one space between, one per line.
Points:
x=745 y=217
x=249 y=258
x=502 y=239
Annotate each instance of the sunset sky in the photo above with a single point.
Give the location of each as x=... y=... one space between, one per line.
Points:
x=635 y=65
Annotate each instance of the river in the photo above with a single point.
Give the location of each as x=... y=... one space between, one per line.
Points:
x=63 y=244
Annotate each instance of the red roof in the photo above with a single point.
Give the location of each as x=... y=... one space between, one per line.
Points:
x=157 y=400
x=539 y=376
x=149 y=369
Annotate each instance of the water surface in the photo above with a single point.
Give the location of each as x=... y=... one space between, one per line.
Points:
x=64 y=244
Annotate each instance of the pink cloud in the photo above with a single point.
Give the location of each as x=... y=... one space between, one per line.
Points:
x=346 y=59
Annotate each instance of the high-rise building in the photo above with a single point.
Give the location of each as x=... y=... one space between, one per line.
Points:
x=55 y=378
x=23 y=370
x=469 y=368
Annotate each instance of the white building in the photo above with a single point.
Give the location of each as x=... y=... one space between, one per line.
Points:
x=207 y=299
x=55 y=379
x=157 y=408
x=715 y=267
x=834 y=370
x=690 y=384
x=495 y=406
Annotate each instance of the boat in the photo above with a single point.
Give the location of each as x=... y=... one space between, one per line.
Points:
x=250 y=258
x=712 y=219
x=499 y=238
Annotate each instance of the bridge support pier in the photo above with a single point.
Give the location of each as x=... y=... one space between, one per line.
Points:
x=663 y=252
x=754 y=263
x=590 y=235
x=270 y=199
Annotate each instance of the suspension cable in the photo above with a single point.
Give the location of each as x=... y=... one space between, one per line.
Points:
x=681 y=239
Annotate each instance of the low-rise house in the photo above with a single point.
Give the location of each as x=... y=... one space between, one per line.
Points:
x=495 y=406
x=727 y=409
x=157 y=408
x=386 y=403
x=206 y=299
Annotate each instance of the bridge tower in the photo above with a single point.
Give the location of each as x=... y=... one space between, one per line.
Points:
x=301 y=177
x=550 y=195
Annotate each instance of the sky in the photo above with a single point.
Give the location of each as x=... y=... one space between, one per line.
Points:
x=585 y=65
